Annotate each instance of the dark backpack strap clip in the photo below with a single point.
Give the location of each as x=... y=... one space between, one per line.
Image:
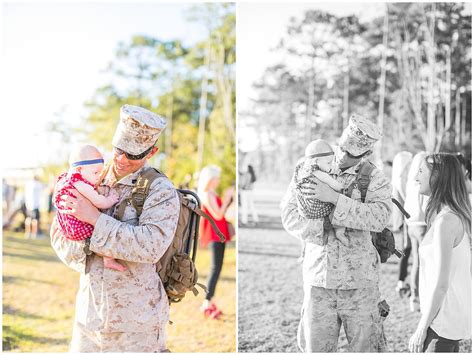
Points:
x=363 y=179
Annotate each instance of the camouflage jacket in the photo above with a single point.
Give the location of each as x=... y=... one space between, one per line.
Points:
x=134 y=300
x=342 y=257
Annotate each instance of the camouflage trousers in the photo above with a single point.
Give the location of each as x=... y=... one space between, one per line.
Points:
x=86 y=341
x=325 y=310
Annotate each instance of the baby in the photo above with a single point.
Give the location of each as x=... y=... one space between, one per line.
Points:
x=316 y=163
x=85 y=167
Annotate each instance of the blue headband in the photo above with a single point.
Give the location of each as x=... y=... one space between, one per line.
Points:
x=320 y=155
x=87 y=162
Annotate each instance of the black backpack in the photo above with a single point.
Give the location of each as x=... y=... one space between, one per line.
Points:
x=383 y=241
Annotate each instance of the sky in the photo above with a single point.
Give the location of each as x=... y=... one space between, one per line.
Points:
x=52 y=59
x=256 y=38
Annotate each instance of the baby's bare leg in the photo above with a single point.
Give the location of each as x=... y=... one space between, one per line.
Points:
x=111 y=263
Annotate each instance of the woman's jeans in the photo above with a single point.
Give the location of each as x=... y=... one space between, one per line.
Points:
x=416 y=234
x=436 y=344
x=217 y=259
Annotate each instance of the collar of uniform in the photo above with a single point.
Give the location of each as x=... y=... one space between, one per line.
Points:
x=130 y=179
x=353 y=170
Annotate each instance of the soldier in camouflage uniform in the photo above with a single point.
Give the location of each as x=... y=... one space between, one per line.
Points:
x=341 y=269
x=123 y=311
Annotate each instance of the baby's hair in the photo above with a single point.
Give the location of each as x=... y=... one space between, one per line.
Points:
x=84 y=152
x=317 y=146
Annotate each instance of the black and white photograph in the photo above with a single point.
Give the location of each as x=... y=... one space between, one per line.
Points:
x=236 y=176
x=354 y=168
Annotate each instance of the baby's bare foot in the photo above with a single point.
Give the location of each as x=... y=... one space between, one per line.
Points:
x=113 y=264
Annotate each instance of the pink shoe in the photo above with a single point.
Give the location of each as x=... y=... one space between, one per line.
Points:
x=209 y=310
x=216 y=314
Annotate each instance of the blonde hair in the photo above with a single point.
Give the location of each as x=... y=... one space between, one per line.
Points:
x=83 y=152
x=205 y=176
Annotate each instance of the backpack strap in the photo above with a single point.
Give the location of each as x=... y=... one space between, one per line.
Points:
x=142 y=187
x=402 y=210
x=202 y=214
x=139 y=192
x=362 y=180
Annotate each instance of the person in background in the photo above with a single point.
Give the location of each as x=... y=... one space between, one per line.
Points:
x=446 y=256
x=247 y=179
x=415 y=205
x=51 y=207
x=33 y=191
x=214 y=206
x=401 y=165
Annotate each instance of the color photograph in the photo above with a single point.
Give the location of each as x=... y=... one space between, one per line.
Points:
x=119 y=200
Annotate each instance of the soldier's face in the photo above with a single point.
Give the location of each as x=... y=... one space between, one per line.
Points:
x=344 y=159
x=423 y=178
x=123 y=166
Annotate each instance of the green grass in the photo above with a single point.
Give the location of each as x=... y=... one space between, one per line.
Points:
x=39 y=297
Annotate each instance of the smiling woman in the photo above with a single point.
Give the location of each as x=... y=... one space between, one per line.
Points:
x=446 y=254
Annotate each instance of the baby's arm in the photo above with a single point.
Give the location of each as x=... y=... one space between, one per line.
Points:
x=93 y=196
x=326 y=178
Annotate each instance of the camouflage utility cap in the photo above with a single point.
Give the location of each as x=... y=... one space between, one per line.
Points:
x=138 y=129
x=359 y=136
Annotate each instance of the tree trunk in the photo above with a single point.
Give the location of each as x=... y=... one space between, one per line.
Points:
x=225 y=88
x=310 y=107
x=457 y=121
x=463 y=132
x=448 y=90
x=203 y=107
x=345 y=114
x=431 y=113
x=169 y=128
x=383 y=64
x=409 y=62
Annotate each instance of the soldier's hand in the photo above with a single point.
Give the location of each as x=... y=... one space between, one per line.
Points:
x=79 y=207
x=113 y=195
x=319 y=190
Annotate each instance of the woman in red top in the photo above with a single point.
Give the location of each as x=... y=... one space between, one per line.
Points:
x=209 y=180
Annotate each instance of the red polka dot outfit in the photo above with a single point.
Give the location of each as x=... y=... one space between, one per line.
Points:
x=72 y=228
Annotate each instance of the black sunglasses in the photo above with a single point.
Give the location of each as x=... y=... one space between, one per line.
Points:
x=129 y=156
x=350 y=155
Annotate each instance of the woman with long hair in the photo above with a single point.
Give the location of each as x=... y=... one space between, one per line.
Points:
x=445 y=255
x=209 y=180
